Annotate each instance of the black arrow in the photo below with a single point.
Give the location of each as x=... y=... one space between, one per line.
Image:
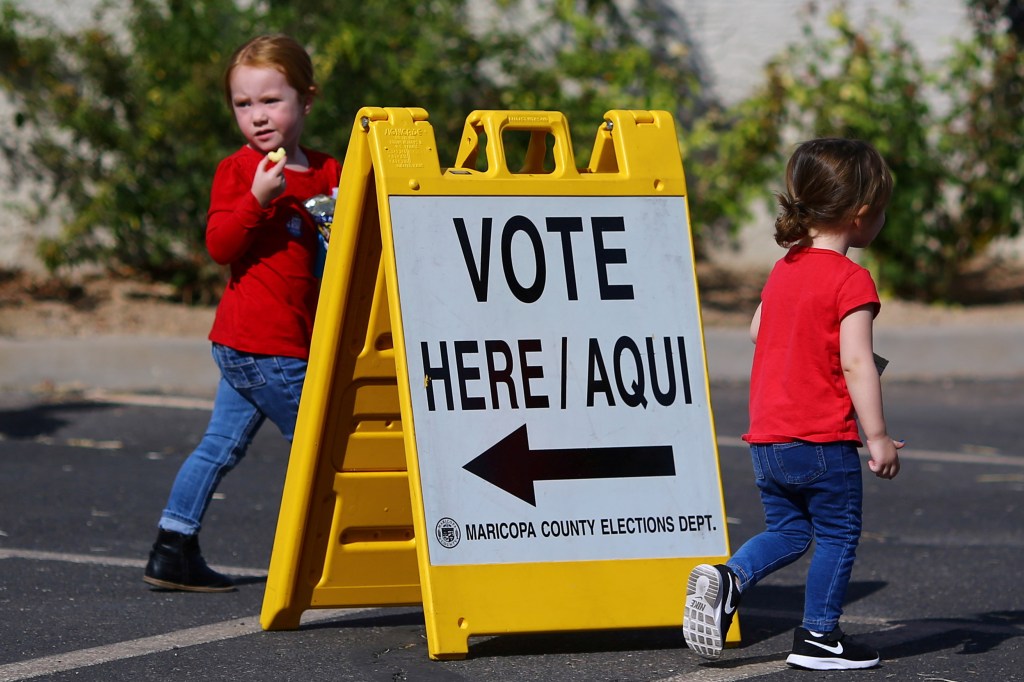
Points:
x=511 y=465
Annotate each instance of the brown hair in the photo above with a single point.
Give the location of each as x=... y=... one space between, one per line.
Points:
x=278 y=52
x=827 y=182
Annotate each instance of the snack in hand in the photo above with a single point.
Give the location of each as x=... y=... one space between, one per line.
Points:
x=276 y=155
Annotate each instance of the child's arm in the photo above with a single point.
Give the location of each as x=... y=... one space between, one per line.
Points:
x=755 y=324
x=238 y=207
x=857 y=358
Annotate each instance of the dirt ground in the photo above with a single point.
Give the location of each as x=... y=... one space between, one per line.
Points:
x=39 y=307
x=34 y=307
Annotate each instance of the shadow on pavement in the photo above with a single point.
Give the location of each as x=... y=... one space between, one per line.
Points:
x=788 y=602
x=582 y=642
x=401 y=619
x=41 y=420
x=961 y=636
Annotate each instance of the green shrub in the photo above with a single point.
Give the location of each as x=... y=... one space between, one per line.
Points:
x=128 y=130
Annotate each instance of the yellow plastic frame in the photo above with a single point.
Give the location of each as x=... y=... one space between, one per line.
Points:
x=352 y=507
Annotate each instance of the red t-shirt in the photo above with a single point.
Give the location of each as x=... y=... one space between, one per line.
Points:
x=270 y=299
x=797 y=387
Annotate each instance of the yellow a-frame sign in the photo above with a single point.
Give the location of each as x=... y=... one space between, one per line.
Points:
x=506 y=415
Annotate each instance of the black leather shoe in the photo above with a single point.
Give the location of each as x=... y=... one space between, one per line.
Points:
x=175 y=563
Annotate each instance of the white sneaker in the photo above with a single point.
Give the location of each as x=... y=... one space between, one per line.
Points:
x=712 y=596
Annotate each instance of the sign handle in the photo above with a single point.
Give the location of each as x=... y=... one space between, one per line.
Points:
x=540 y=124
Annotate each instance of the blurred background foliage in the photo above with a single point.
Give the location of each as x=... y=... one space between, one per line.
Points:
x=126 y=126
x=953 y=136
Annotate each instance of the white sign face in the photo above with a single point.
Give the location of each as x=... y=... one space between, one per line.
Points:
x=556 y=370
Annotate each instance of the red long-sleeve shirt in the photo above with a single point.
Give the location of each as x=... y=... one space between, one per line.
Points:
x=270 y=299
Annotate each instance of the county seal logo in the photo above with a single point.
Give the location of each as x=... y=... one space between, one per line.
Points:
x=447 y=533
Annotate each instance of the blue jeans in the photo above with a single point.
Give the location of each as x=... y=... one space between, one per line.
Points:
x=252 y=388
x=810 y=491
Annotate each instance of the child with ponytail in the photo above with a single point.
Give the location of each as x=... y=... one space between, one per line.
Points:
x=813 y=379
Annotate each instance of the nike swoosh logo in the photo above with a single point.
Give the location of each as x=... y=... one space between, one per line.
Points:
x=837 y=649
x=729 y=608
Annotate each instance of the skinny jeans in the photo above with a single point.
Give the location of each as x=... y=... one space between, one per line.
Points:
x=810 y=492
x=252 y=389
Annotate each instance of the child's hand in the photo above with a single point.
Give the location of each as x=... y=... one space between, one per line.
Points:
x=268 y=183
x=885 y=461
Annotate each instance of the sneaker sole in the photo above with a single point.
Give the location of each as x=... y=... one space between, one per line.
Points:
x=817 y=663
x=701 y=629
x=163 y=584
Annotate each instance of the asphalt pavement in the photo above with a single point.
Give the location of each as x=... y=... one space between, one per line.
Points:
x=83 y=481
x=92 y=431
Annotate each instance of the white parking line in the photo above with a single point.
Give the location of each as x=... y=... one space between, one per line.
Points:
x=83 y=658
x=743 y=672
x=204 y=634
x=177 y=402
x=119 y=562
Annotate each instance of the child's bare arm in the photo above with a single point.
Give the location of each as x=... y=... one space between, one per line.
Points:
x=755 y=324
x=855 y=350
